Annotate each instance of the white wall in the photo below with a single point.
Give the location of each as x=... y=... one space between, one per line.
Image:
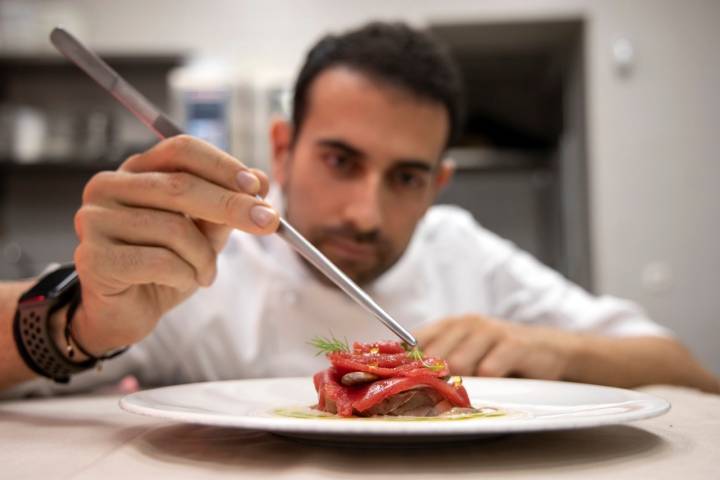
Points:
x=654 y=135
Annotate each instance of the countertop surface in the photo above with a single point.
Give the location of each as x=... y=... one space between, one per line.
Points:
x=89 y=437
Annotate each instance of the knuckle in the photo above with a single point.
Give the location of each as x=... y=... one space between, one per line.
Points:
x=95 y=186
x=222 y=161
x=209 y=269
x=178 y=184
x=133 y=162
x=210 y=259
x=161 y=259
x=176 y=227
x=84 y=219
x=176 y=145
x=79 y=221
x=178 y=142
x=232 y=204
x=141 y=219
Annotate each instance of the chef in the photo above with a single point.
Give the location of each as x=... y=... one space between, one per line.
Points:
x=178 y=278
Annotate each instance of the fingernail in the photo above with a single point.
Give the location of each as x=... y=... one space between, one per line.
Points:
x=262 y=216
x=248 y=182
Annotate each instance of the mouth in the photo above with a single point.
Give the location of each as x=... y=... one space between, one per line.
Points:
x=349 y=250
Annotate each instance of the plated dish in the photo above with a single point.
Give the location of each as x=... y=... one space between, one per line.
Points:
x=273 y=405
x=387 y=379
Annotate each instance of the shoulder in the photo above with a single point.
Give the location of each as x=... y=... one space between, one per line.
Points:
x=455 y=227
x=442 y=222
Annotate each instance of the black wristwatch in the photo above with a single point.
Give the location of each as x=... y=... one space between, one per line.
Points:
x=31 y=326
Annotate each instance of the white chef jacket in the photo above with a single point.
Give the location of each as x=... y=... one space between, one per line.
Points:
x=264 y=306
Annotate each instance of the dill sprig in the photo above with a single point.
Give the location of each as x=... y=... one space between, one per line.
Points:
x=413 y=353
x=329 y=345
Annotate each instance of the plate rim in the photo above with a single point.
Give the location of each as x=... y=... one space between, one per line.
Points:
x=133 y=403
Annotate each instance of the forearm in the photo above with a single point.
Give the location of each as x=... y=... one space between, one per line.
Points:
x=633 y=362
x=12 y=368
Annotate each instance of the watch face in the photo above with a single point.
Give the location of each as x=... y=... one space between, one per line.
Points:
x=51 y=285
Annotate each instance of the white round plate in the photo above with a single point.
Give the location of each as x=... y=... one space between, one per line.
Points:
x=532 y=405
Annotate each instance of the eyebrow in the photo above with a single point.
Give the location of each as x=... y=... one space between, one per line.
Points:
x=353 y=151
x=342 y=145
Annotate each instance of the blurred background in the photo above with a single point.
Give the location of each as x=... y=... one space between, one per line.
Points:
x=592 y=141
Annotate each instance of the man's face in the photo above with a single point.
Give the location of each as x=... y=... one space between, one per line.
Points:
x=363 y=171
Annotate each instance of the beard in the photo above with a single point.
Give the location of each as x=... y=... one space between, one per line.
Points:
x=379 y=254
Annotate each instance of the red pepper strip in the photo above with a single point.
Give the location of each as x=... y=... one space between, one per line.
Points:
x=360 y=398
x=379 y=347
x=328 y=388
x=384 y=367
x=382 y=389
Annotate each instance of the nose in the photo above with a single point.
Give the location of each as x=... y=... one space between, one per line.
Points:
x=363 y=208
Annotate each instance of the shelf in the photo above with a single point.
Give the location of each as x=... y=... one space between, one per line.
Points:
x=482 y=159
x=50 y=59
x=54 y=166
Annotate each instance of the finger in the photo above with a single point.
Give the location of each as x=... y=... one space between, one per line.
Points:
x=154 y=228
x=540 y=364
x=118 y=266
x=501 y=360
x=185 y=153
x=264 y=181
x=465 y=358
x=183 y=193
x=428 y=333
x=444 y=343
x=216 y=233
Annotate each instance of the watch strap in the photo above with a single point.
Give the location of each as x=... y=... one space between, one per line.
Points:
x=31 y=327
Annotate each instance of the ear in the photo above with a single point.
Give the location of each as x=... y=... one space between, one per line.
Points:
x=280 y=143
x=444 y=174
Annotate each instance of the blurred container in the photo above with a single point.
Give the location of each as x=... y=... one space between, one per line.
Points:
x=59 y=143
x=96 y=134
x=29 y=128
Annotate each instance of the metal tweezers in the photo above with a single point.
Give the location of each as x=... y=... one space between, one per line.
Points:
x=163 y=127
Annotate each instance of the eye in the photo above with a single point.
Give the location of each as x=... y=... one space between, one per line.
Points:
x=340 y=163
x=408 y=179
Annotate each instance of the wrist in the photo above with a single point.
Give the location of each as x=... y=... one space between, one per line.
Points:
x=57 y=323
x=85 y=335
x=78 y=344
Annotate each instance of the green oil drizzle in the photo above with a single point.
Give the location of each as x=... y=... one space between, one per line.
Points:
x=312 y=413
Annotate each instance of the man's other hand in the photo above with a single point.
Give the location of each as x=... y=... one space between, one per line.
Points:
x=482 y=346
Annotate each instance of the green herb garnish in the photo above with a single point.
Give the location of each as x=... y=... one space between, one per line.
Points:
x=435 y=367
x=415 y=354
x=329 y=345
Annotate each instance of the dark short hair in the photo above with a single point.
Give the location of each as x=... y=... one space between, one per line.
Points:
x=389 y=52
